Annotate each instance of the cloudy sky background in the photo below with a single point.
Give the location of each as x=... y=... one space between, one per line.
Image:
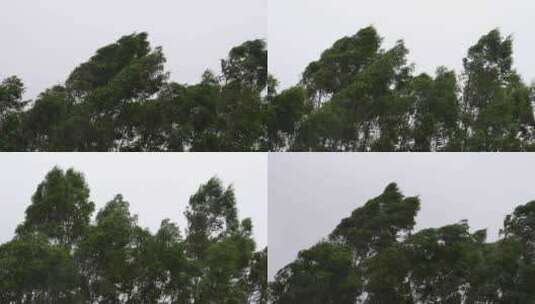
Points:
x=157 y=185
x=43 y=41
x=436 y=32
x=309 y=193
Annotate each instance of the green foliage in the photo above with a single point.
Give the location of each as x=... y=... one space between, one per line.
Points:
x=358 y=96
x=34 y=271
x=499 y=110
x=258 y=282
x=60 y=208
x=247 y=64
x=60 y=256
x=211 y=215
x=11 y=106
x=11 y=90
x=325 y=273
x=121 y=99
x=367 y=99
x=379 y=223
x=521 y=225
x=284 y=111
x=374 y=256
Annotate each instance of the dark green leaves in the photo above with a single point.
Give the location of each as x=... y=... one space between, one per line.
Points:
x=60 y=208
x=34 y=271
x=498 y=107
x=11 y=90
x=11 y=117
x=247 y=65
x=367 y=99
x=121 y=100
x=325 y=273
x=60 y=256
x=358 y=96
x=379 y=223
x=374 y=256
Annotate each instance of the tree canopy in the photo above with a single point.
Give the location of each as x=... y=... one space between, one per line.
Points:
x=121 y=99
x=358 y=96
x=62 y=254
x=362 y=97
x=375 y=256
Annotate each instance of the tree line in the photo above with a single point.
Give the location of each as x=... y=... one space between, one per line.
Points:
x=375 y=256
x=358 y=96
x=60 y=255
x=121 y=99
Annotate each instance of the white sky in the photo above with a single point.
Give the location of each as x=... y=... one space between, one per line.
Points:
x=157 y=185
x=436 y=32
x=309 y=193
x=43 y=41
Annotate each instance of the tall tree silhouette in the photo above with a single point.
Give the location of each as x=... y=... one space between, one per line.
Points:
x=60 y=256
x=375 y=256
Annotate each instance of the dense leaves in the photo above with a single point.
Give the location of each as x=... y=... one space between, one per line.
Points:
x=358 y=96
x=60 y=256
x=375 y=256
x=60 y=208
x=121 y=99
x=323 y=274
x=366 y=98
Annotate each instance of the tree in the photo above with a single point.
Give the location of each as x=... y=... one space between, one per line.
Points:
x=284 y=112
x=498 y=106
x=443 y=263
x=225 y=268
x=324 y=274
x=379 y=223
x=105 y=255
x=436 y=111
x=11 y=90
x=221 y=245
x=162 y=270
x=521 y=225
x=60 y=208
x=358 y=96
x=366 y=98
x=34 y=271
x=247 y=64
x=121 y=99
x=60 y=256
x=363 y=89
x=11 y=107
x=374 y=256
x=258 y=278
x=211 y=216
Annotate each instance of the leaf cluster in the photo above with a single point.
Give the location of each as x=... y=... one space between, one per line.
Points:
x=61 y=255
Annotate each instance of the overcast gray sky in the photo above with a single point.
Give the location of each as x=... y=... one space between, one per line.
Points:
x=157 y=185
x=309 y=193
x=436 y=32
x=43 y=41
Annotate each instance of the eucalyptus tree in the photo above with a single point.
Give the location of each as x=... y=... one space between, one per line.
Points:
x=365 y=98
x=325 y=273
x=375 y=256
x=60 y=256
x=499 y=113
x=11 y=119
x=121 y=99
x=358 y=91
x=222 y=246
x=60 y=209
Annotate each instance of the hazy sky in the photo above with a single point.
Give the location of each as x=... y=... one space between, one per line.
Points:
x=436 y=32
x=43 y=41
x=157 y=185
x=309 y=193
